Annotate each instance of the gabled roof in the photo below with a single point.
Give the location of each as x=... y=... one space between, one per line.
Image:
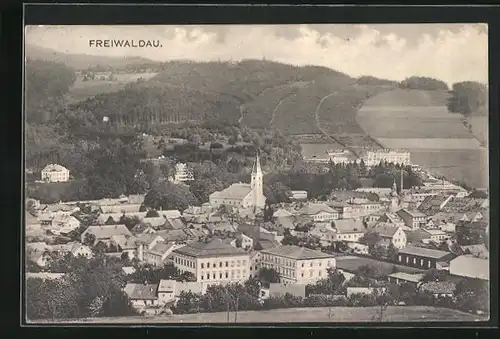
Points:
x=423 y=252
x=107 y=231
x=149 y=238
x=174 y=224
x=407 y=277
x=313 y=209
x=170 y=214
x=54 y=168
x=175 y=235
x=471 y=267
x=212 y=248
x=141 y=291
x=414 y=214
x=386 y=231
x=280 y=213
x=124 y=241
x=296 y=252
x=235 y=191
x=349 y=226
x=161 y=248
x=155 y=222
x=120 y=208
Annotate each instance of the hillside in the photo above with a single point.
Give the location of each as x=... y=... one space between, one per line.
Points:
x=83 y=61
x=419 y=120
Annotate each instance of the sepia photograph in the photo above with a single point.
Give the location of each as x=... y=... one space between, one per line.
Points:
x=225 y=174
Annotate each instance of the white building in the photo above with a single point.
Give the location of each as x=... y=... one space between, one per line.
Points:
x=340 y=156
x=297 y=265
x=55 y=173
x=373 y=158
x=213 y=262
x=182 y=173
x=243 y=195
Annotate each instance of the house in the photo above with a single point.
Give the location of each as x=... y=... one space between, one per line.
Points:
x=470 y=266
x=438 y=236
x=170 y=290
x=155 y=222
x=142 y=229
x=297 y=265
x=245 y=241
x=282 y=213
x=120 y=208
x=434 y=203
x=392 y=235
x=391 y=218
x=157 y=254
x=136 y=199
x=125 y=243
x=145 y=242
x=350 y=230
x=170 y=214
x=423 y=258
x=439 y=289
x=326 y=235
x=128 y=270
x=221 y=228
x=264 y=244
x=402 y=277
x=358 y=248
x=142 y=295
x=318 y=212
x=75 y=248
x=173 y=224
x=55 y=173
x=412 y=219
x=213 y=262
x=104 y=233
x=63 y=224
x=278 y=290
x=57 y=210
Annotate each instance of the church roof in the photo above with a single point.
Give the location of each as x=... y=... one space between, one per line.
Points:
x=235 y=191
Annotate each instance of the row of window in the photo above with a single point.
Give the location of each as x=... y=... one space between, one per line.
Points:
x=185 y=262
x=235 y=274
x=231 y=263
x=415 y=261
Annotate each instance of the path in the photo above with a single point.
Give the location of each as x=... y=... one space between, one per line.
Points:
x=273 y=115
x=323 y=131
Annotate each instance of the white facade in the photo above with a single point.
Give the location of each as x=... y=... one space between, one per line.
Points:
x=182 y=173
x=373 y=158
x=55 y=173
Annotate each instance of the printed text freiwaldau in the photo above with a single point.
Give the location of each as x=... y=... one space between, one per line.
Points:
x=124 y=43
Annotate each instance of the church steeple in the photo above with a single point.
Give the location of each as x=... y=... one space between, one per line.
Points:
x=256 y=166
x=257 y=184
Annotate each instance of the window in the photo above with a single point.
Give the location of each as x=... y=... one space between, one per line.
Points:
x=227 y=274
x=238 y=263
x=428 y=263
x=414 y=261
x=220 y=264
x=302 y=264
x=244 y=262
x=421 y=262
x=311 y=265
x=220 y=275
x=227 y=263
x=208 y=265
x=213 y=275
x=201 y=277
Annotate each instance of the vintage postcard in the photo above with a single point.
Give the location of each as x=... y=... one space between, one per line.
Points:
x=256 y=173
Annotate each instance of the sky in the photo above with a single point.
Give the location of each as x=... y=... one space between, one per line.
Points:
x=450 y=52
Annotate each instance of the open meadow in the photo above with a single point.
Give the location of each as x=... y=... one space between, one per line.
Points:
x=297 y=315
x=419 y=121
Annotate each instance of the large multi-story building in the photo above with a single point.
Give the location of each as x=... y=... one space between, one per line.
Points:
x=213 y=262
x=297 y=265
x=55 y=173
x=373 y=158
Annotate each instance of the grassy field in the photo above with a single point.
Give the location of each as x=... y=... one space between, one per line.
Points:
x=480 y=128
x=352 y=263
x=293 y=315
x=431 y=144
x=409 y=97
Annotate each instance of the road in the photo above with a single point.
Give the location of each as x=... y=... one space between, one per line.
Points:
x=323 y=131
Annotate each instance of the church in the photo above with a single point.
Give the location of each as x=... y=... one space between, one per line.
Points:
x=243 y=195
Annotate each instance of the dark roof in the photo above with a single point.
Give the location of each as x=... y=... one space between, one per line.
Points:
x=386 y=231
x=174 y=224
x=215 y=247
x=424 y=252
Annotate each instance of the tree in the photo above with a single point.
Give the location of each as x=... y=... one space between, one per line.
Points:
x=89 y=239
x=370 y=238
x=168 y=196
x=434 y=275
x=268 y=275
x=188 y=302
x=331 y=285
x=152 y=214
x=468 y=97
x=110 y=221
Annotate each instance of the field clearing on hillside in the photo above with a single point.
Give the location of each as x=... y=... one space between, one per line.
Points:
x=470 y=166
x=480 y=128
x=292 y=315
x=428 y=143
x=317 y=150
x=413 y=127
x=407 y=112
x=82 y=90
x=410 y=97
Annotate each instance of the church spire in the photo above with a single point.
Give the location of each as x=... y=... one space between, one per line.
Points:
x=256 y=166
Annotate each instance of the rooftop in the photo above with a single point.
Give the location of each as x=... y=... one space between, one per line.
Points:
x=212 y=248
x=141 y=291
x=349 y=226
x=106 y=232
x=296 y=252
x=423 y=252
x=161 y=248
x=235 y=191
x=471 y=267
x=414 y=214
x=386 y=231
x=312 y=209
x=54 y=168
x=407 y=277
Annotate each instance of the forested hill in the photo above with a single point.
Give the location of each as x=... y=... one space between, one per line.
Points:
x=85 y=61
x=215 y=91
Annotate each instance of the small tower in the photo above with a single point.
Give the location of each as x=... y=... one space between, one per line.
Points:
x=402 y=178
x=394 y=197
x=257 y=184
